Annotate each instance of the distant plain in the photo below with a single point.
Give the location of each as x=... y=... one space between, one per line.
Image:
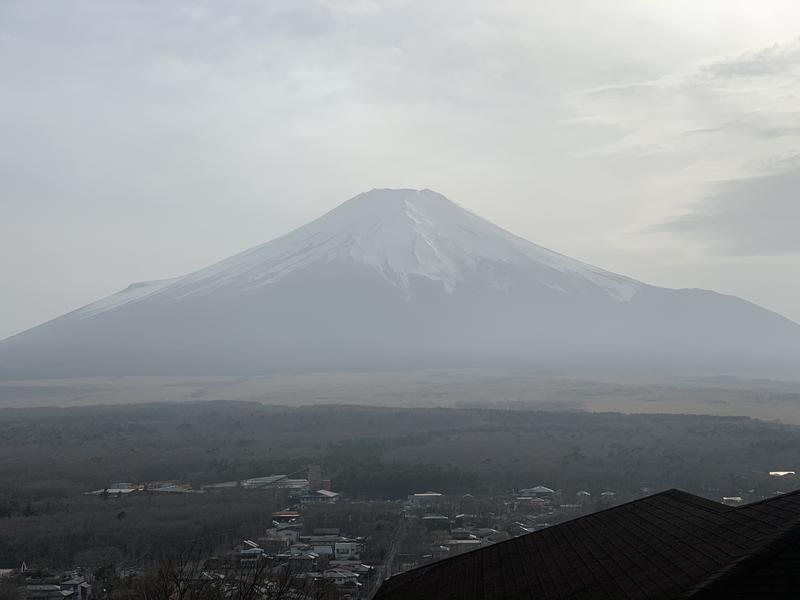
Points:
x=768 y=399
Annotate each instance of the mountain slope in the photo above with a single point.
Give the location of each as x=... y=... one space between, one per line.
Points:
x=395 y=279
x=399 y=234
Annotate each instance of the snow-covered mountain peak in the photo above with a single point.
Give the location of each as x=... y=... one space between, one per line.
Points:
x=396 y=279
x=401 y=234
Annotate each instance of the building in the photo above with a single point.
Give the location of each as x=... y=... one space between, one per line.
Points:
x=670 y=545
x=348 y=550
x=539 y=491
x=340 y=577
x=75 y=586
x=436 y=522
x=114 y=491
x=70 y=586
x=300 y=562
x=277 y=539
x=285 y=516
x=425 y=501
x=319 y=497
x=44 y=591
x=277 y=482
x=250 y=553
x=334 y=546
x=732 y=500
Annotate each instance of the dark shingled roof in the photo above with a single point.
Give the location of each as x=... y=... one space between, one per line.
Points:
x=670 y=545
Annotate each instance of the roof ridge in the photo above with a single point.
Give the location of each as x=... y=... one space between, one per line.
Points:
x=769 y=545
x=695 y=499
x=768 y=500
x=673 y=493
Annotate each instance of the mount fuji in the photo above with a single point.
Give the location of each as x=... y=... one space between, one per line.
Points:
x=396 y=279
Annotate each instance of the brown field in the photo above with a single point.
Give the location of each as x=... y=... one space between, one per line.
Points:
x=495 y=388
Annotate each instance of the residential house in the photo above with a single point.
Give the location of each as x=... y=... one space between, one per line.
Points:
x=319 y=497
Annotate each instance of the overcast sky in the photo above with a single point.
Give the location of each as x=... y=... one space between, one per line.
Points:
x=141 y=139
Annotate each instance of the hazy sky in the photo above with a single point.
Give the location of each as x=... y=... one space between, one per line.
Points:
x=143 y=139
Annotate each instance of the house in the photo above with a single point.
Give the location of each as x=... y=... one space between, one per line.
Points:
x=279 y=538
x=250 y=553
x=285 y=516
x=75 y=584
x=348 y=550
x=439 y=551
x=334 y=546
x=304 y=562
x=274 y=546
x=426 y=501
x=539 y=493
x=69 y=586
x=44 y=591
x=172 y=488
x=319 y=497
x=532 y=504
x=340 y=577
x=263 y=482
x=114 y=492
x=323 y=546
x=218 y=487
x=346 y=582
x=462 y=534
x=459 y=546
x=666 y=546
x=434 y=522
x=288 y=532
x=608 y=498
x=572 y=509
x=278 y=482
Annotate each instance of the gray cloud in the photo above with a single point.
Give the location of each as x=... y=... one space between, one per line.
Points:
x=776 y=60
x=733 y=120
x=756 y=216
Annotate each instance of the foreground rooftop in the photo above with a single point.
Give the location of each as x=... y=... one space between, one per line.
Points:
x=670 y=545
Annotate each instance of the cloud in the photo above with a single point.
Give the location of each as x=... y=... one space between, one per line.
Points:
x=749 y=97
x=145 y=139
x=727 y=129
x=756 y=216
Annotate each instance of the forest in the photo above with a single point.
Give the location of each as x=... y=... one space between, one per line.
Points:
x=49 y=458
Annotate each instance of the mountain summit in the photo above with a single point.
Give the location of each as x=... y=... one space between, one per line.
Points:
x=400 y=234
x=395 y=279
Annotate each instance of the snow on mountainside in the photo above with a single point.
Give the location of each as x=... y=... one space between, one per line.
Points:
x=132 y=293
x=400 y=279
x=398 y=233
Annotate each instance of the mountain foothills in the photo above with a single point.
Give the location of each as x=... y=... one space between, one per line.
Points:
x=400 y=279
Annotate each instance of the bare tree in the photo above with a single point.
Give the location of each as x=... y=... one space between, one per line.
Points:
x=187 y=576
x=12 y=588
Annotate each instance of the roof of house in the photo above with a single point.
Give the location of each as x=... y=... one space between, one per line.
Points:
x=324 y=493
x=670 y=545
